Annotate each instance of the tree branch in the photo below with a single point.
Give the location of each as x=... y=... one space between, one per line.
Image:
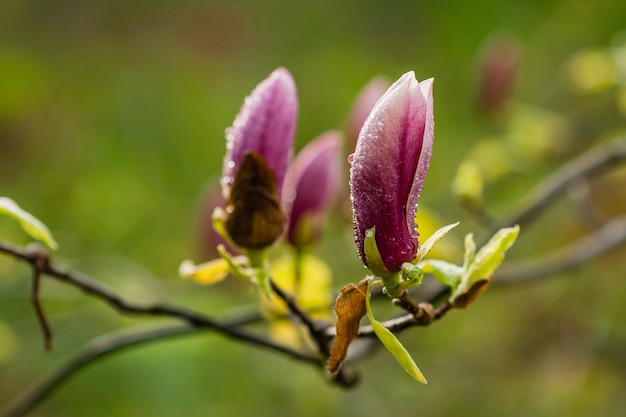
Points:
x=609 y=236
x=606 y=237
x=40 y=261
x=33 y=255
x=593 y=162
x=304 y=317
x=96 y=349
x=318 y=334
x=36 y=300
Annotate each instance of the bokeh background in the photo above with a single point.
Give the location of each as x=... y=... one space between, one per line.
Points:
x=112 y=118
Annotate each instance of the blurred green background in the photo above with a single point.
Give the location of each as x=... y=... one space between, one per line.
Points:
x=112 y=118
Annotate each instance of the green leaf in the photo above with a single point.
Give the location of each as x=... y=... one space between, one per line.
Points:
x=485 y=262
x=470 y=250
x=432 y=241
x=490 y=256
x=447 y=273
x=391 y=343
x=31 y=225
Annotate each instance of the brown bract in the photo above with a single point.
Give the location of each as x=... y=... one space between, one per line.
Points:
x=472 y=294
x=350 y=309
x=255 y=219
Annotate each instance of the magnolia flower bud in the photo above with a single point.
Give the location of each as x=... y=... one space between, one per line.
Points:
x=387 y=173
x=497 y=72
x=266 y=125
x=258 y=151
x=311 y=185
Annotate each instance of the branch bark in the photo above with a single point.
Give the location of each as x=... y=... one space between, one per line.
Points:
x=96 y=349
x=591 y=163
x=603 y=239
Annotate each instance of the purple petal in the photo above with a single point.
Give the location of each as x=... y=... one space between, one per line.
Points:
x=265 y=124
x=388 y=169
x=312 y=183
x=363 y=104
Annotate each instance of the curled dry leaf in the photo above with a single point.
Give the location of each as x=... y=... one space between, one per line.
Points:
x=350 y=309
x=255 y=219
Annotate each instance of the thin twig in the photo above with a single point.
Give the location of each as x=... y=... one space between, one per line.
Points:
x=588 y=214
x=97 y=290
x=314 y=331
x=318 y=333
x=40 y=260
x=609 y=236
x=36 y=300
x=398 y=324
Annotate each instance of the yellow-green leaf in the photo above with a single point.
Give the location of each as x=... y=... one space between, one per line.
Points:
x=427 y=223
x=31 y=225
x=470 y=250
x=490 y=256
x=447 y=273
x=487 y=259
x=432 y=241
x=391 y=343
x=207 y=273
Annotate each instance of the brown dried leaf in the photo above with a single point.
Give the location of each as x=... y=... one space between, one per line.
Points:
x=255 y=219
x=350 y=309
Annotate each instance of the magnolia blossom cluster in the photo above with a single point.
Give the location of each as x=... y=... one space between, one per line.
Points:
x=263 y=188
x=268 y=196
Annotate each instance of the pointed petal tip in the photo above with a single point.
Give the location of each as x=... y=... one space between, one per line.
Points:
x=426 y=87
x=282 y=74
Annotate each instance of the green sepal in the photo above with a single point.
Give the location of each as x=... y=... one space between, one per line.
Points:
x=255 y=272
x=409 y=276
x=31 y=225
x=261 y=278
x=393 y=284
x=259 y=274
x=372 y=255
x=391 y=343
x=219 y=225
